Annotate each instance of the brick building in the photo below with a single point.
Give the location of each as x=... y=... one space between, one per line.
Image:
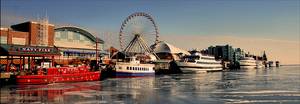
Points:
x=28 y=33
x=27 y=44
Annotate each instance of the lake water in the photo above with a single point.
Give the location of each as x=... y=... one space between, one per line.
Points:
x=276 y=85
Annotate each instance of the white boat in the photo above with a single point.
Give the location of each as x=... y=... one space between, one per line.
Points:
x=133 y=68
x=247 y=63
x=197 y=62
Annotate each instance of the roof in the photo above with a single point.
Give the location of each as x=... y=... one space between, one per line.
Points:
x=25 y=26
x=81 y=31
x=164 y=47
x=23 y=50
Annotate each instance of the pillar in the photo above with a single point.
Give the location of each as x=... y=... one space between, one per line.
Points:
x=52 y=58
x=32 y=62
x=7 y=63
x=28 y=62
x=23 y=63
x=20 y=63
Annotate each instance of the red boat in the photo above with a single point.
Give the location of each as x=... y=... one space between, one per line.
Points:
x=58 y=75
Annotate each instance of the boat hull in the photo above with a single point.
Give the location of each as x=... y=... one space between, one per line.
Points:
x=249 y=63
x=47 y=79
x=198 y=70
x=186 y=67
x=130 y=74
x=125 y=70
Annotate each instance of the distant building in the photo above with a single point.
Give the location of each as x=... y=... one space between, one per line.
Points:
x=238 y=54
x=231 y=55
x=264 y=57
x=225 y=53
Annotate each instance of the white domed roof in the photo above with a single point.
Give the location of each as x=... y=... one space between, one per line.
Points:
x=164 y=47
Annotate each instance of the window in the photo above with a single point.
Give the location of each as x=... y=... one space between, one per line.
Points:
x=3 y=39
x=20 y=41
x=63 y=35
x=57 y=34
x=87 y=39
x=70 y=40
x=76 y=36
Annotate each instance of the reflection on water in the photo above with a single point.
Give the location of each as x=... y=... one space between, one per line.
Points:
x=277 y=85
x=46 y=93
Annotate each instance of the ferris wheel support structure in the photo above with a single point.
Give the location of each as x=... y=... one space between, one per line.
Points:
x=134 y=30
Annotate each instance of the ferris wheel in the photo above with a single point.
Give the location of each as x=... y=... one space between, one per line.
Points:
x=138 y=31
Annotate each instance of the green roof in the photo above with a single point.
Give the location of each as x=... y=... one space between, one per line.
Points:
x=81 y=31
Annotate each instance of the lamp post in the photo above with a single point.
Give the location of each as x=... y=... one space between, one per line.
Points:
x=96 y=51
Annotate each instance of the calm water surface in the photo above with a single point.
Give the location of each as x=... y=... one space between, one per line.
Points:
x=277 y=85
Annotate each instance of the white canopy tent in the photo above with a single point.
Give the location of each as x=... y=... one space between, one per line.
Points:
x=164 y=47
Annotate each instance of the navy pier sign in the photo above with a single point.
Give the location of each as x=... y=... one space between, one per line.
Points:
x=33 y=49
x=9 y=49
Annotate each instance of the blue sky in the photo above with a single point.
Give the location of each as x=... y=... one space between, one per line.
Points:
x=278 y=19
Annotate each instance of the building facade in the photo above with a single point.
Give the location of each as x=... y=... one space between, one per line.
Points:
x=29 y=44
x=225 y=52
x=76 y=43
x=29 y=33
x=26 y=45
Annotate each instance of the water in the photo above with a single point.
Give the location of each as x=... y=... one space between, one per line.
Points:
x=277 y=85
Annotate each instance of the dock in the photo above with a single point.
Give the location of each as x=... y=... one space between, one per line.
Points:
x=166 y=67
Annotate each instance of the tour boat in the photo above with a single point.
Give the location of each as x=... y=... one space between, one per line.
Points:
x=247 y=63
x=133 y=68
x=58 y=75
x=196 y=62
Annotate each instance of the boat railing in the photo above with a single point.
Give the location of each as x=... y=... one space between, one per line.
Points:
x=56 y=71
x=67 y=70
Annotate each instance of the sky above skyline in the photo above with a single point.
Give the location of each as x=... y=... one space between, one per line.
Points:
x=261 y=19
